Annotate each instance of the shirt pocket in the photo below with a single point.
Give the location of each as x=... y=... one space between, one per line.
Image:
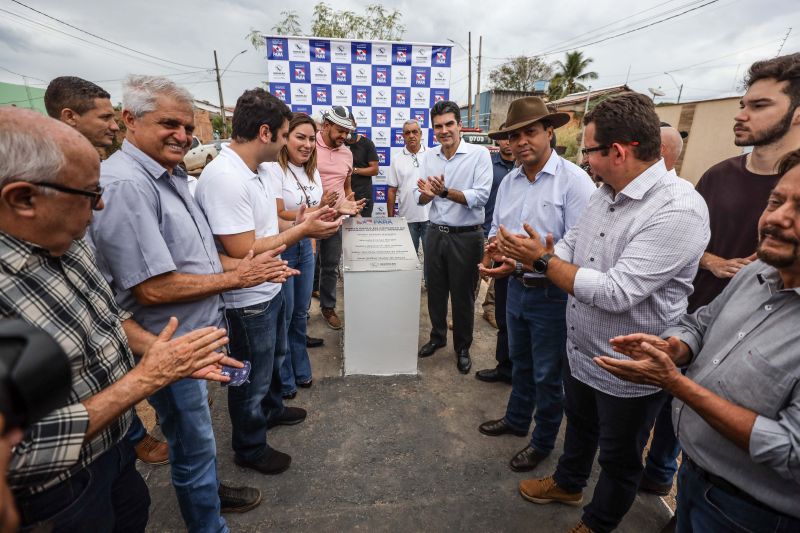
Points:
x=552 y=210
x=756 y=384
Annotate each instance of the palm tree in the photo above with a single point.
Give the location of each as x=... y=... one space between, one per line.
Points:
x=571 y=72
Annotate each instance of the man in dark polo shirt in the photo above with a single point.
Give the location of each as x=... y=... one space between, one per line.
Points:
x=736 y=190
x=365 y=165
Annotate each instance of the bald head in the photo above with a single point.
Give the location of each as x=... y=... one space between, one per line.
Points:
x=35 y=150
x=671 y=146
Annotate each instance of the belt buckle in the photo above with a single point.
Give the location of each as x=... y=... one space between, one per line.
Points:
x=444 y=229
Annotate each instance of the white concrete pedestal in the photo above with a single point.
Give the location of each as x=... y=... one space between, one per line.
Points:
x=382 y=278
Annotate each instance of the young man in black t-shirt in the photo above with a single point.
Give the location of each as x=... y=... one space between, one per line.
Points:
x=365 y=165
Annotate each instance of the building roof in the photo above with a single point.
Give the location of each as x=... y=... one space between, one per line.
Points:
x=576 y=98
x=212 y=108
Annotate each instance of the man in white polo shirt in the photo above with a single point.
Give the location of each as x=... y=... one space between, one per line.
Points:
x=404 y=172
x=237 y=200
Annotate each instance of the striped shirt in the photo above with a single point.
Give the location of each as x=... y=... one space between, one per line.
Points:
x=68 y=298
x=637 y=254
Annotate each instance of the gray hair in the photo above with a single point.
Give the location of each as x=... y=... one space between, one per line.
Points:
x=27 y=154
x=139 y=93
x=411 y=122
x=672 y=143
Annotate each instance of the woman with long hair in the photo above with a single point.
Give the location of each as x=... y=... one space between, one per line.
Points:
x=298 y=184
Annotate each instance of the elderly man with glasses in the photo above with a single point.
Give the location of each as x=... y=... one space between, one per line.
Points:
x=404 y=172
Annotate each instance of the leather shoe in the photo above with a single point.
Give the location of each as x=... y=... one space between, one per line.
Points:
x=271 y=463
x=289 y=417
x=495 y=428
x=464 y=363
x=649 y=486
x=526 y=459
x=238 y=499
x=313 y=342
x=428 y=349
x=492 y=375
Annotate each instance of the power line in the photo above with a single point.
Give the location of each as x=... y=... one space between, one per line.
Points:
x=103 y=38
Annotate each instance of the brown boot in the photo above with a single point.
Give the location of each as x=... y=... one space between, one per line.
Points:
x=152 y=451
x=546 y=491
x=580 y=527
x=331 y=318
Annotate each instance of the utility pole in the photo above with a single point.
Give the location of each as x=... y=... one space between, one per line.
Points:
x=680 y=91
x=221 y=102
x=478 y=89
x=469 y=78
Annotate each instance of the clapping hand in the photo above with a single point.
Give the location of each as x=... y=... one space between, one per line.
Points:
x=523 y=248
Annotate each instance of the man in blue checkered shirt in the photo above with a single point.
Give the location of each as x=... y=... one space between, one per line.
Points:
x=628 y=265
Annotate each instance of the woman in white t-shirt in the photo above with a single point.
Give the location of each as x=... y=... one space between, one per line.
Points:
x=296 y=183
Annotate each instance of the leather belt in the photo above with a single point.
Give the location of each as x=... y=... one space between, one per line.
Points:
x=532 y=282
x=455 y=229
x=726 y=486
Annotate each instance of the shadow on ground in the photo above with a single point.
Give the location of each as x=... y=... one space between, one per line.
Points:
x=392 y=454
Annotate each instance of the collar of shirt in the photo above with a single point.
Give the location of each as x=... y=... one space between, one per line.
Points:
x=770 y=277
x=409 y=154
x=642 y=183
x=153 y=168
x=322 y=146
x=497 y=159
x=14 y=252
x=549 y=169
x=235 y=160
x=461 y=149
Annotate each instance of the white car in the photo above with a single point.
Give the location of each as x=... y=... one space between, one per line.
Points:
x=199 y=155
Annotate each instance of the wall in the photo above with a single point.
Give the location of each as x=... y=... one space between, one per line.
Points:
x=202 y=125
x=710 y=127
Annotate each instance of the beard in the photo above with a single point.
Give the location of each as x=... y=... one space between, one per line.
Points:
x=775 y=259
x=770 y=135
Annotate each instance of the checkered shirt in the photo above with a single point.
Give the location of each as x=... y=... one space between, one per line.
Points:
x=638 y=253
x=68 y=298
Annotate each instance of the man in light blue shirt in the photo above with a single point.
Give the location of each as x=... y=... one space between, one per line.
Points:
x=459 y=179
x=549 y=193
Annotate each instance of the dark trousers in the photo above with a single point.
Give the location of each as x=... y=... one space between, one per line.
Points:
x=108 y=495
x=330 y=251
x=362 y=189
x=662 y=459
x=620 y=427
x=452 y=264
x=537 y=330
x=501 y=347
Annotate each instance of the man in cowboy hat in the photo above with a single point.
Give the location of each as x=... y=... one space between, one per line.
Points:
x=549 y=193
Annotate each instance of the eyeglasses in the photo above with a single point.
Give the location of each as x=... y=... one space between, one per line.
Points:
x=96 y=195
x=587 y=151
x=415 y=160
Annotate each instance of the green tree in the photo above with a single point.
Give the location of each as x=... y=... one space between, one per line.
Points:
x=571 y=74
x=375 y=23
x=520 y=73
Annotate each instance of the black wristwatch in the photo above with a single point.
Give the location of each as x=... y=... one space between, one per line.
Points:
x=540 y=265
x=444 y=193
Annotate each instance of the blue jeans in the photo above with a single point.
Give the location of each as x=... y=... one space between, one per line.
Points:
x=186 y=423
x=257 y=335
x=296 y=365
x=108 y=495
x=662 y=459
x=706 y=508
x=136 y=431
x=418 y=230
x=537 y=342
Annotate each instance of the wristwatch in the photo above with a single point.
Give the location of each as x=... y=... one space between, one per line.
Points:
x=444 y=193
x=540 y=265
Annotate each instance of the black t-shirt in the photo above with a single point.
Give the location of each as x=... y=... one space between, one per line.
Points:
x=363 y=154
x=736 y=198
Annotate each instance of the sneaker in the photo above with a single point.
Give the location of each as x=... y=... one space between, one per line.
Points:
x=289 y=417
x=546 y=491
x=152 y=451
x=580 y=527
x=331 y=318
x=271 y=463
x=649 y=486
x=238 y=499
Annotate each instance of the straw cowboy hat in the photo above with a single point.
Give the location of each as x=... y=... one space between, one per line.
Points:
x=525 y=111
